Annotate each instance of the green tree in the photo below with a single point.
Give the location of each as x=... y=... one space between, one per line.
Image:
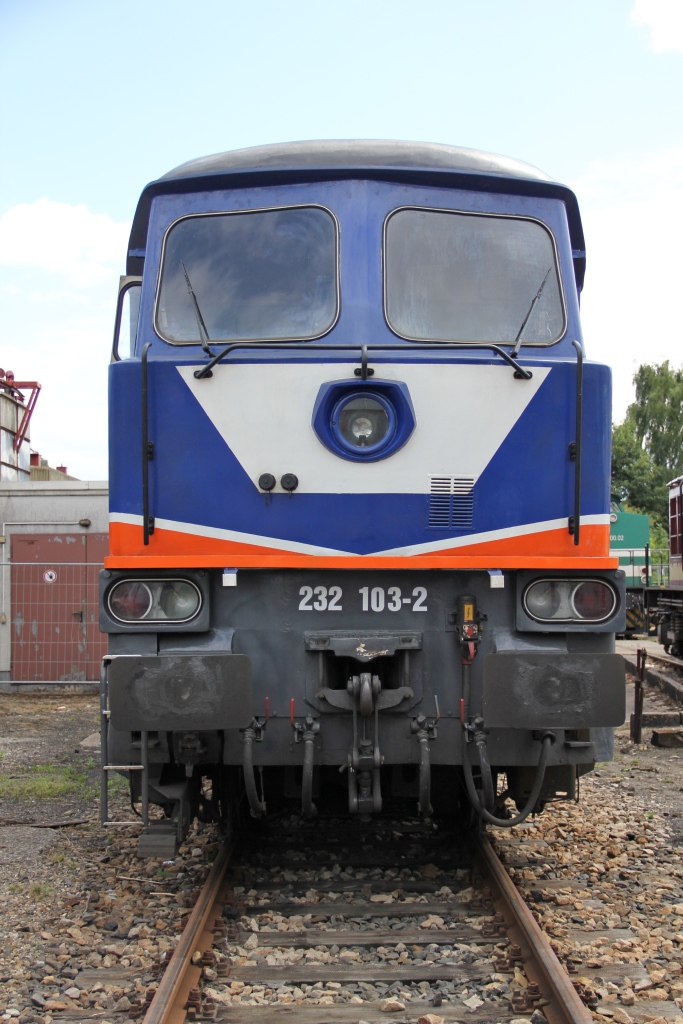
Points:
x=647 y=448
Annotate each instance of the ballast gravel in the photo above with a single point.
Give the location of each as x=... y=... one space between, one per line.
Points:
x=85 y=923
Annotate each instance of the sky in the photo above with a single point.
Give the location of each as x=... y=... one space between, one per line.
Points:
x=97 y=99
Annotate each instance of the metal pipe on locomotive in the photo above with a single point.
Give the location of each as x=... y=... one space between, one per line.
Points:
x=359 y=490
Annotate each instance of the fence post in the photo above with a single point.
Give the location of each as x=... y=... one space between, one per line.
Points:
x=637 y=716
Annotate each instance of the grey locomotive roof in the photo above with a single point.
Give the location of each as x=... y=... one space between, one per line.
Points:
x=365 y=154
x=411 y=162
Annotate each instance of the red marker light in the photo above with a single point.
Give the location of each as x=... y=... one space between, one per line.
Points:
x=593 y=600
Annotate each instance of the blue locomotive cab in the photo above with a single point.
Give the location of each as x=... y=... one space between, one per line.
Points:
x=359 y=489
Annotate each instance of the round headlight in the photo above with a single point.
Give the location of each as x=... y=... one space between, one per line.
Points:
x=178 y=599
x=363 y=422
x=130 y=600
x=593 y=600
x=362 y=428
x=543 y=599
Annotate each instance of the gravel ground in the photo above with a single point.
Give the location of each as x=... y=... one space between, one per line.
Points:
x=606 y=878
x=84 y=922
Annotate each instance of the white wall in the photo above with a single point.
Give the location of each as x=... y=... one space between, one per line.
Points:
x=50 y=506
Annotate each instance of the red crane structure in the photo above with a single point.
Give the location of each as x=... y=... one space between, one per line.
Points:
x=16 y=387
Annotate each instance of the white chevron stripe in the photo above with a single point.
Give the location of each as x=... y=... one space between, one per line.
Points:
x=216 y=533
x=463 y=413
x=432 y=547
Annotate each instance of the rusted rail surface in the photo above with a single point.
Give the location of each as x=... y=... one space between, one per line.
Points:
x=565 y=1006
x=181 y=975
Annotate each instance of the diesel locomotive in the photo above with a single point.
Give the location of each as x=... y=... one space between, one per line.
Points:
x=359 y=491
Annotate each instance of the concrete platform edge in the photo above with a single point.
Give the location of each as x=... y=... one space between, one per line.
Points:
x=653 y=676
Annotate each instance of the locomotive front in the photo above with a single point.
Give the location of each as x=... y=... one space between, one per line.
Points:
x=359 y=490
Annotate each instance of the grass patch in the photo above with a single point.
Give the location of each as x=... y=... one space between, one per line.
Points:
x=46 y=782
x=39 y=891
x=118 y=784
x=58 y=857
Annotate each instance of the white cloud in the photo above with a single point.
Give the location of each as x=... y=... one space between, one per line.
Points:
x=664 y=18
x=82 y=247
x=631 y=181
x=60 y=266
x=633 y=220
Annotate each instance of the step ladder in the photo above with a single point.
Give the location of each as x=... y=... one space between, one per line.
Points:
x=105 y=768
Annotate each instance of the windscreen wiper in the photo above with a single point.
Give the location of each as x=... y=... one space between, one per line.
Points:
x=518 y=339
x=203 y=333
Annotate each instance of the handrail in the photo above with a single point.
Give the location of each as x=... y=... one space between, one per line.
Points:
x=520 y=372
x=147 y=451
x=126 y=284
x=575 y=449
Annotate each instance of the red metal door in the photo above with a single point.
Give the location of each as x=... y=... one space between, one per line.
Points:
x=96 y=549
x=54 y=606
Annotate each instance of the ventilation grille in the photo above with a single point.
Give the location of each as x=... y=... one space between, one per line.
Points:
x=450 y=503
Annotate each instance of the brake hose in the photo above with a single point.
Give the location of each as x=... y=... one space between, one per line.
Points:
x=547 y=741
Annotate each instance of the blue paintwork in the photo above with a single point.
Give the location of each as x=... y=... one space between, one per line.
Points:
x=195 y=477
x=392 y=395
x=361 y=208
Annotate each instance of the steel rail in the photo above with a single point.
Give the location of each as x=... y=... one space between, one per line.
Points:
x=554 y=982
x=167 y=1006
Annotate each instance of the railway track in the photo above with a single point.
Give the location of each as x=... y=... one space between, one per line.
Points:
x=654 y=651
x=389 y=921
x=661 y=658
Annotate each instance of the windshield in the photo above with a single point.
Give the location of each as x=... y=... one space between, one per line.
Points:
x=471 y=277
x=267 y=274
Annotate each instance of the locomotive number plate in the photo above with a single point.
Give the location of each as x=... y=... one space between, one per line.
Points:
x=366 y=599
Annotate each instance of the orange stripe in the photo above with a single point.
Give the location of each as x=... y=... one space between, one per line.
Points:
x=551 y=549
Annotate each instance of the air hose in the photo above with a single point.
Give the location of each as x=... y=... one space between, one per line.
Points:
x=257 y=807
x=547 y=741
x=309 y=808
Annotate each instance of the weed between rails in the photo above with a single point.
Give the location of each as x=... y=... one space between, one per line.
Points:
x=46 y=782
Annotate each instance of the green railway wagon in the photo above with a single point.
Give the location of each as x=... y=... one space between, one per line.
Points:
x=629 y=536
